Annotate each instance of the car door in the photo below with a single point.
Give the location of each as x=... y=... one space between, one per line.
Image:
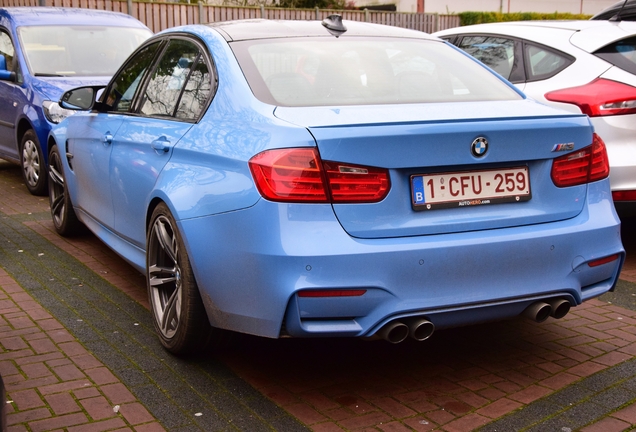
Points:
x=8 y=102
x=171 y=101
x=91 y=137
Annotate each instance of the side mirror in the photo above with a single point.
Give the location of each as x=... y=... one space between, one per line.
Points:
x=5 y=75
x=81 y=98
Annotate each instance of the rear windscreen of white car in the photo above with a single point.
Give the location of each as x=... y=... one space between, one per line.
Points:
x=621 y=54
x=363 y=71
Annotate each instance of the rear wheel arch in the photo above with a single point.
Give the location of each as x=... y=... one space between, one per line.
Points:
x=151 y=209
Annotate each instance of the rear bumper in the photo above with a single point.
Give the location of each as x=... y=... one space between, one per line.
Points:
x=251 y=264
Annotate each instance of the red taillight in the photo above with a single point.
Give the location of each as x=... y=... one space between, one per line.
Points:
x=299 y=175
x=601 y=97
x=332 y=293
x=627 y=195
x=602 y=261
x=289 y=175
x=583 y=166
x=353 y=183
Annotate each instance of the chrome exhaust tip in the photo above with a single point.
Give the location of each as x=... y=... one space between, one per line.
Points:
x=560 y=307
x=538 y=311
x=394 y=332
x=421 y=329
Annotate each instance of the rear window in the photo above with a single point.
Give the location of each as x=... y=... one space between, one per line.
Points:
x=621 y=54
x=362 y=71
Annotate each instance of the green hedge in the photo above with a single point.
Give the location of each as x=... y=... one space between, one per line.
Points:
x=468 y=18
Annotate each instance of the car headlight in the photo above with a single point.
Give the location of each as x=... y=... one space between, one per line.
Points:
x=54 y=112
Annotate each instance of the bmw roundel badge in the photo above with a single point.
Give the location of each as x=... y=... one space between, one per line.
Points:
x=479 y=147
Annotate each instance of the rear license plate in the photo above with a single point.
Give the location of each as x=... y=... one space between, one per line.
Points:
x=470 y=188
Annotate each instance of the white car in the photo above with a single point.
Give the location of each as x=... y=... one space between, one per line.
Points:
x=579 y=66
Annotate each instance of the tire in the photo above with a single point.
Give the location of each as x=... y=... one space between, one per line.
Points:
x=34 y=170
x=178 y=314
x=64 y=219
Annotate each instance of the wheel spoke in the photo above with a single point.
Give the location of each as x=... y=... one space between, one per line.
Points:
x=55 y=176
x=171 y=312
x=158 y=275
x=166 y=241
x=57 y=206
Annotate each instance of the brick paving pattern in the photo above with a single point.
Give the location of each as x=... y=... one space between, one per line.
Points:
x=459 y=380
x=51 y=380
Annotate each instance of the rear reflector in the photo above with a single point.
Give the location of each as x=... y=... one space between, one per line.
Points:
x=331 y=293
x=628 y=195
x=602 y=261
x=299 y=175
x=601 y=97
x=582 y=166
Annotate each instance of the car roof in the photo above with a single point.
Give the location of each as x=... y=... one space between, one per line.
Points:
x=268 y=29
x=585 y=34
x=67 y=16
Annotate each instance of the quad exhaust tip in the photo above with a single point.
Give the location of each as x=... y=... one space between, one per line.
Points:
x=560 y=308
x=396 y=331
x=540 y=311
x=421 y=329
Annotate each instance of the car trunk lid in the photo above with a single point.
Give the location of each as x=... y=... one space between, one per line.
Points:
x=426 y=139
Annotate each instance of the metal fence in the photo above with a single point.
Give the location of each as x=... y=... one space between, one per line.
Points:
x=159 y=15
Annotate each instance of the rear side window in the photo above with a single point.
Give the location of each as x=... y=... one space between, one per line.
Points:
x=495 y=52
x=363 y=71
x=180 y=85
x=543 y=63
x=621 y=54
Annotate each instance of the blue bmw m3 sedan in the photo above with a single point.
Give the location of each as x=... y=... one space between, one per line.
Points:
x=333 y=179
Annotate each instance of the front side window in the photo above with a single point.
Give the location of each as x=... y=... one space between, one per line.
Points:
x=621 y=54
x=124 y=85
x=495 y=52
x=78 y=50
x=6 y=49
x=362 y=71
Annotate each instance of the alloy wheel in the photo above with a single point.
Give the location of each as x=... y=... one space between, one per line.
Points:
x=164 y=276
x=56 y=189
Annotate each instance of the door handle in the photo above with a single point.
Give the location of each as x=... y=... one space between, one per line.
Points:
x=108 y=138
x=160 y=145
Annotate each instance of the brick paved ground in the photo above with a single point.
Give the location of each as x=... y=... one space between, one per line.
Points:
x=52 y=381
x=459 y=380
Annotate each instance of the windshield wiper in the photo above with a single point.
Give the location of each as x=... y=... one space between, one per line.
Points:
x=48 y=75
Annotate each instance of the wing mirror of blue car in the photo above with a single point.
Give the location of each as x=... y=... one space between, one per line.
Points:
x=81 y=98
x=5 y=75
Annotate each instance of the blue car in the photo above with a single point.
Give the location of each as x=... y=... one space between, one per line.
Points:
x=333 y=179
x=44 y=52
